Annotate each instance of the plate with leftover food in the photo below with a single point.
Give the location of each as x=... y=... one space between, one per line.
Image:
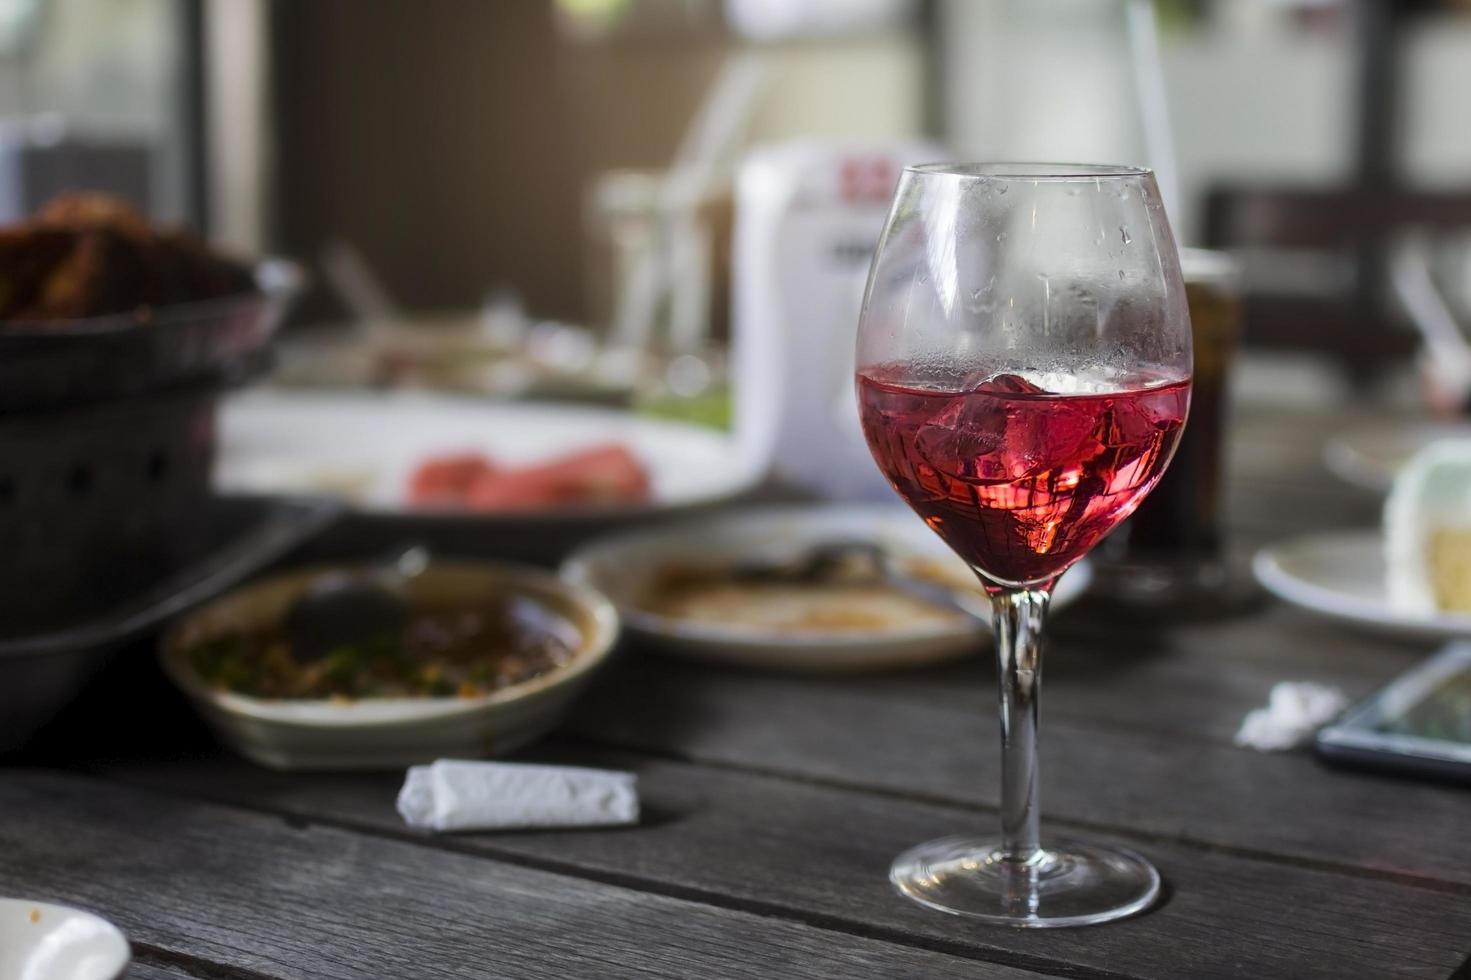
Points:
x=42 y=941
x=484 y=659
x=805 y=588
x=442 y=456
x=1343 y=575
x=1412 y=576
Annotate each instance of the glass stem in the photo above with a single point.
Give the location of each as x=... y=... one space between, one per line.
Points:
x=1018 y=615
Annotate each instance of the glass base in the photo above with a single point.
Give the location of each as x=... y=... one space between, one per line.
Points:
x=1068 y=883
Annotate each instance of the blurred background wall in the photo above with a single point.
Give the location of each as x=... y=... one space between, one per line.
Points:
x=484 y=124
x=438 y=138
x=456 y=144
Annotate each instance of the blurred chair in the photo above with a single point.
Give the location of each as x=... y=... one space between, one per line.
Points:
x=1314 y=265
x=1316 y=261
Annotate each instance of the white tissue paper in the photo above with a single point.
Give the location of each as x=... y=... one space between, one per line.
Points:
x=454 y=795
x=1294 y=711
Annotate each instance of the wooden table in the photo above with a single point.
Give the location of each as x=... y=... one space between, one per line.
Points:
x=773 y=807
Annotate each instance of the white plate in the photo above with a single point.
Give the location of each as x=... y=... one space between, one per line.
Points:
x=1369 y=456
x=1340 y=574
x=620 y=567
x=364 y=447
x=41 y=941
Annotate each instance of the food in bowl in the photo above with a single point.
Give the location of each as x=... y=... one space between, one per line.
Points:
x=88 y=255
x=604 y=474
x=386 y=731
x=465 y=651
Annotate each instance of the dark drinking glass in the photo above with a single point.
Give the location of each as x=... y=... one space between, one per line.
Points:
x=1171 y=549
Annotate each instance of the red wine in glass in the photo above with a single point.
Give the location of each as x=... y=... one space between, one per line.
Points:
x=1021 y=482
x=1061 y=283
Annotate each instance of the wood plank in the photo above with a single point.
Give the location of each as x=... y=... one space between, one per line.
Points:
x=143 y=970
x=821 y=854
x=1197 y=679
x=280 y=900
x=1137 y=783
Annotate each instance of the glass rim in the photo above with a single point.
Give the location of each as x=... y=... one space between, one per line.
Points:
x=1029 y=171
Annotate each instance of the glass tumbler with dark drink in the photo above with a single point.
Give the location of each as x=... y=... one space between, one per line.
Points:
x=1170 y=553
x=1024 y=375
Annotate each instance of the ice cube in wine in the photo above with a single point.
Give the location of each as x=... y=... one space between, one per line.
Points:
x=1019 y=480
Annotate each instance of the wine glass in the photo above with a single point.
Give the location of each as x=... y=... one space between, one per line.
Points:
x=1023 y=378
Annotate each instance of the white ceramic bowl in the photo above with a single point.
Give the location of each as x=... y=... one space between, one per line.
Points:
x=389 y=733
x=621 y=566
x=41 y=941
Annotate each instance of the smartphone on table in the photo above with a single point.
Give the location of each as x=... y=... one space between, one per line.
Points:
x=1420 y=724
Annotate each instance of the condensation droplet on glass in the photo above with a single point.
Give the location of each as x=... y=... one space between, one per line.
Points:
x=1001 y=235
x=1124 y=235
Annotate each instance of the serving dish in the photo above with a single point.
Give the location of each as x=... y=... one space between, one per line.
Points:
x=386 y=733
x=1341 y=575
x=624 y=565
x=362 y=447
x=42 y=941
x=1371 y=454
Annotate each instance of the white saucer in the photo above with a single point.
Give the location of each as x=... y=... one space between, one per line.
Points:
x=1340 y=574
x=41 y=941
x=1371 y=454
x=620 y=566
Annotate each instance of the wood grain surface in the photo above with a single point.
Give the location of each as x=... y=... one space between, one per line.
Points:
x=773 y=805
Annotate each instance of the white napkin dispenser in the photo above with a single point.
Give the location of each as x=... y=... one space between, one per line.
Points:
x=808 y=216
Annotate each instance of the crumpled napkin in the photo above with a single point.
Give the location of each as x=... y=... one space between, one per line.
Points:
x=454 y=795
x=1294 y=711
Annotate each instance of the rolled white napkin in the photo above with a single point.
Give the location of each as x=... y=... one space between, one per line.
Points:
x=455 y=795
x=1294 y=711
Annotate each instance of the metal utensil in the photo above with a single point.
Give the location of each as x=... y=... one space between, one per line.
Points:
x=348 y=607
x=858 y=560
